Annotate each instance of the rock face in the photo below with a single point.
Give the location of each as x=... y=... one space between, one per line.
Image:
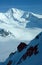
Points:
x=21 y=46
x=3 y=33
x=30 y=51
x=9 y=63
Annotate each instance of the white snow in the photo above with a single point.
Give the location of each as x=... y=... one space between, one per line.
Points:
x=34 y=59
x=15 y=21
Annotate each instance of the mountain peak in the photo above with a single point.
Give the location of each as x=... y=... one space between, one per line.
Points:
x=20 y=20
x=15 y=11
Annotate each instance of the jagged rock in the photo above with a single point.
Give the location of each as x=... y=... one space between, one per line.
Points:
x=30 y=51
x=21 y=46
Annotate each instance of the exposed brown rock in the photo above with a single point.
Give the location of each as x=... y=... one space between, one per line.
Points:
x=21 y=46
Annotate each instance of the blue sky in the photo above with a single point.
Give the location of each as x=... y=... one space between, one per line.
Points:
x=30 y=5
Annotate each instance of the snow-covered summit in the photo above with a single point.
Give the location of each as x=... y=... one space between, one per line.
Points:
x=18 y=20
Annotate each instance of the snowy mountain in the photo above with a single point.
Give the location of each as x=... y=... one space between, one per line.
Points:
x=24 y=22
x=19 y=18
x=35 y=21
x=17 y=26
x=27 y=54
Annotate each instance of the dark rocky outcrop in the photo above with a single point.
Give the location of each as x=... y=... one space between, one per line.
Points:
x=10 y=62
x=21 y=46
x=30 y=51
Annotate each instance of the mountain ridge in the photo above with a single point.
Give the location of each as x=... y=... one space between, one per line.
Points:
x=21 y=26
x=34 y=56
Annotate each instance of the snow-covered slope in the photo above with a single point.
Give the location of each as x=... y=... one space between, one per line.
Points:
x=19 y=18
x=17 y=26
x=35 y=20
x=31 y=54
x=20 y=22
